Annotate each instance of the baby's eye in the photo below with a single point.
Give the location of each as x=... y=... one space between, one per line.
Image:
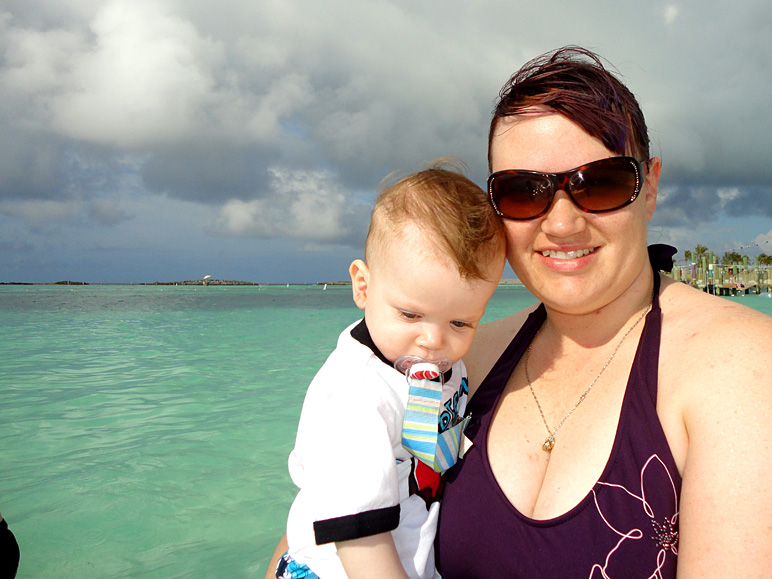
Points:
x=459 y=324
x=409 y=315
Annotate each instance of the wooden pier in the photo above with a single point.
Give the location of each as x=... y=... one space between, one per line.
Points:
x=725 y=280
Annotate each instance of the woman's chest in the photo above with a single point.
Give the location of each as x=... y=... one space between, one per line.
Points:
x=580 y=426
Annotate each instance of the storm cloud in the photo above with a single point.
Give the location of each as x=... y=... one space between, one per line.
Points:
x=167 y=133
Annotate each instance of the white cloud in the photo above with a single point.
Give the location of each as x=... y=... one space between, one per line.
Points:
x=37 y=60
x=764 y=242
x=727 y=194
x=301 y=204
x=282 y=97
x=670 y=13
x=764 y=237
x=37 y=212
x=141 y=74
x=146 y=77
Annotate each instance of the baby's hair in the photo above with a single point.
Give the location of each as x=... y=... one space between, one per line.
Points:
x=446 y=205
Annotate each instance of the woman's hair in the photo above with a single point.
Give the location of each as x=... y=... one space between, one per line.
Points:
x=573 y=82
x=451 y=209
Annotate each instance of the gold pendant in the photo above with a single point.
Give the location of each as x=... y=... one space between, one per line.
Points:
x=549 y=444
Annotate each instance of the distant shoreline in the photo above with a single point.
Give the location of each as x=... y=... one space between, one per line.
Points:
x=200 y=282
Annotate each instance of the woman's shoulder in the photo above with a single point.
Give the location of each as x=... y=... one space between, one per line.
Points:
x=707 y=336
x=694 y=316
x=491 y=340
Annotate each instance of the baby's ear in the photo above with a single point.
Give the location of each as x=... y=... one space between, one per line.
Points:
x=360 y=277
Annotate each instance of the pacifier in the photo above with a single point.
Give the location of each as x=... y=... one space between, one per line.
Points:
x=415 y=367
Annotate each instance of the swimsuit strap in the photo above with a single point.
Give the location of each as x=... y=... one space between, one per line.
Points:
x=646 y=361
x=486 y=397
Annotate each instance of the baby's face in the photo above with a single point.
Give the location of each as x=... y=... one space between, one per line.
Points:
x=418 y=304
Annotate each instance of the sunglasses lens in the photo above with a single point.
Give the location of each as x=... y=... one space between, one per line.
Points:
x=600 y=186
x=521 y=195
x=606 y=185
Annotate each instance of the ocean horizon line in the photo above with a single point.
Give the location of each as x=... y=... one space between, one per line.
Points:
x=207 y=282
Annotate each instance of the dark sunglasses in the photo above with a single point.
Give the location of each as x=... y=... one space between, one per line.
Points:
x=596 y=187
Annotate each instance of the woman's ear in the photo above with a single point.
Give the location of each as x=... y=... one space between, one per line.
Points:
x=652 y=181
x=360 y=278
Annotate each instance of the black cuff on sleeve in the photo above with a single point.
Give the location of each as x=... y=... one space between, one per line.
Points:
x=357 y=526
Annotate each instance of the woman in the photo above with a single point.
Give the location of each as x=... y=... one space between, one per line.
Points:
x=625 y=424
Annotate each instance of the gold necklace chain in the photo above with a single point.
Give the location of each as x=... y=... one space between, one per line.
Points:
x=549 y=444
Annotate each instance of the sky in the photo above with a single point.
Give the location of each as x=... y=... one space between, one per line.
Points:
x=163 y=140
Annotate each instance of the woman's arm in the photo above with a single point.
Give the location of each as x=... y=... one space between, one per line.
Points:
x=726 y=398
x=373 y=557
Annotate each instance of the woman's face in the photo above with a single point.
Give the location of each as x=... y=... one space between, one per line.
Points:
x=575 y=262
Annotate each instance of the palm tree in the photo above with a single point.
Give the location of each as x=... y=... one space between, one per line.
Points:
x=764 y=259
x=699 y=252
x=731 y=257
x=688 y=256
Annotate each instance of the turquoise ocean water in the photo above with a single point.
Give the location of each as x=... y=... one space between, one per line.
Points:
x=144 y=430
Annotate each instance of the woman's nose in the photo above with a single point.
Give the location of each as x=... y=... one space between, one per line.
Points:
x=564 y=218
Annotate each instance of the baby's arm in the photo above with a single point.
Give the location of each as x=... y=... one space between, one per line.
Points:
x=372 y=557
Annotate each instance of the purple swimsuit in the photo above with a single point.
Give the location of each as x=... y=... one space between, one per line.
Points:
x=626 y=527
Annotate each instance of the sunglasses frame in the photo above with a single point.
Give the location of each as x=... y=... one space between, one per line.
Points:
x=561 y=182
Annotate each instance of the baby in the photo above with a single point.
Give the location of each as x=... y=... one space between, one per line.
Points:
x=367 y=506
